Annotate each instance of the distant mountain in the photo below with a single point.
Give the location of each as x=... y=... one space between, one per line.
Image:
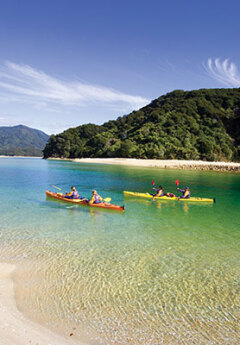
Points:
x=22 y=141
x=199 y=124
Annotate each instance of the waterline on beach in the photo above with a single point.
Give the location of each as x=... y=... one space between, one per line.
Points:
x=161 y=163
x=15 y=328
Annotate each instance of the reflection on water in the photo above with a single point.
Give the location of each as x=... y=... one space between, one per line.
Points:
x=162 y=273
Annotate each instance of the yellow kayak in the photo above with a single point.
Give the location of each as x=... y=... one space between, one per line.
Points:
x=149 y=196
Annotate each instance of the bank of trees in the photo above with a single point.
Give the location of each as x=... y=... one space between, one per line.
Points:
x=202 y=124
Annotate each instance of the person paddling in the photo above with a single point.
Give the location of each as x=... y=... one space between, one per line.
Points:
x=185 y=193
x=159 y=192
x=73 y=194
x=96 y=198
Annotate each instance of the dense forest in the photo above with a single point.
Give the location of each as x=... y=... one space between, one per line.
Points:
x=200 y=124
x=22 y=141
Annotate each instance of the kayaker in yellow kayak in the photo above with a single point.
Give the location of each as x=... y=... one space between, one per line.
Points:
x=185 y=193
x=96 y=198
x=159 y=192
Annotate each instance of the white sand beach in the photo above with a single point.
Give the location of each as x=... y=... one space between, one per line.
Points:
x=164 y=164
x=15 y=328
x=2 y=156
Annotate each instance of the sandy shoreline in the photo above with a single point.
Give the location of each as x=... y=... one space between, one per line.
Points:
x=15 y=328
x=2 y=156
x=161 y=164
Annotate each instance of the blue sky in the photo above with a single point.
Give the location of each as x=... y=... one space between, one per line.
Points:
x=68 y=62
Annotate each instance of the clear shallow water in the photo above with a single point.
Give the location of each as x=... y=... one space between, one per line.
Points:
x=161 y=273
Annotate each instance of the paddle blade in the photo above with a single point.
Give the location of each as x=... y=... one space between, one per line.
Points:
x=56 y=187
x=177 y=183
x=107 y=199
x=153 y=182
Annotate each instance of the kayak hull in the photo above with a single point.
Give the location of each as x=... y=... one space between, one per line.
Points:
x=149 y=196
x=85 y=203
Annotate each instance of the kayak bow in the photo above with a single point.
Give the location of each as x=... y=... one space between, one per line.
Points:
x=85 y=203
x=149 y=196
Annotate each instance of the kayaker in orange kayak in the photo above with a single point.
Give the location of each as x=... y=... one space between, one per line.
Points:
x=73 y=194
x=96 y=198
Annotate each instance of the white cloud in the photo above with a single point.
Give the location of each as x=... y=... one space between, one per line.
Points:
x=225 y=72
x=29 y=85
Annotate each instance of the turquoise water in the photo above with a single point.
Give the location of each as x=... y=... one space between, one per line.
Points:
x=160 y=273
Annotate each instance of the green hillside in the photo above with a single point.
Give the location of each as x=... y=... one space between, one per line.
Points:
x=22 y=141
x=201 y=124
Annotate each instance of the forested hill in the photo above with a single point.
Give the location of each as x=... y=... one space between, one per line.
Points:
x=22 y=141
x=202 y=124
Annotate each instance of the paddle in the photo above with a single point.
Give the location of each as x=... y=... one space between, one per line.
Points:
x=153 y=183
x=107 y=199
x=177 y=184
x=56 y=187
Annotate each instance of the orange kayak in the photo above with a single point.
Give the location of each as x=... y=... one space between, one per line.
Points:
x=85 y=203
